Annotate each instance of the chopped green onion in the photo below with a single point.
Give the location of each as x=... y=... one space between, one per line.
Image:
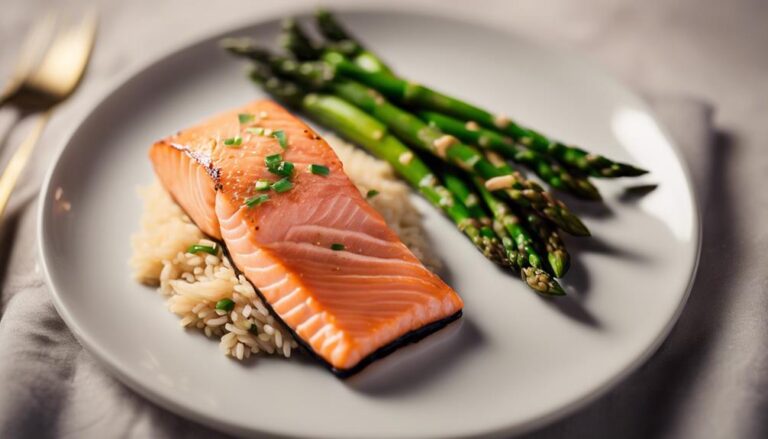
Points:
x=225 y=305
x=273 y=160
x=284 y=169
x=258 y=199
x=276 y=165
x=283 y=185
x=233 y=141
x=199 y=248
x=336 y=246
x=259 y=131
x=319 y=170
x=245 y=117
x=253 y=329
x=262 y=185
x=281 y=138
x=371 y=193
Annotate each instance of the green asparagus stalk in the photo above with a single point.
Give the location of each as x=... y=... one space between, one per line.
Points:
x=517 y=259
x=413 y=94
x=557 y=255
x=551 y=173
x=510 y=221
x=357 y=126
x=463 y=193
x=333 y=31
x=530 y=266
x=296 y=41
x=548 y=237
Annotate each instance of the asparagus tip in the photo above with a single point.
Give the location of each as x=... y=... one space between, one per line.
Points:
x=584 y=189
x=541 y=282
x=572 y=224
x=559 y=262
x=633 y=171
x=493 y=250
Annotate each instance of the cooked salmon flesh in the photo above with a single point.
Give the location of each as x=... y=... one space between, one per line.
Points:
x=325 y=261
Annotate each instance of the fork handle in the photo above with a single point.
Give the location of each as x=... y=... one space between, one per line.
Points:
x=19 y=160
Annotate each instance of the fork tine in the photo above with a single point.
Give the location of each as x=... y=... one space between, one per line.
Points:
x=64 y=63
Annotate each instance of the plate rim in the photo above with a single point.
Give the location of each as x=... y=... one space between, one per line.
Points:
x=210 y=420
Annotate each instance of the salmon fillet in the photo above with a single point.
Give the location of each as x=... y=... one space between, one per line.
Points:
x=346 y=306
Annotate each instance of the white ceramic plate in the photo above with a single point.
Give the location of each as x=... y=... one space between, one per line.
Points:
x=516 y=362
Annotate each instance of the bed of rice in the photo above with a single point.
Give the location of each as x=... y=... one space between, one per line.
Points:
x=194 y=283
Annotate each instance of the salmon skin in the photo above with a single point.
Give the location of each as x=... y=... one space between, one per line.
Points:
x=319 y=255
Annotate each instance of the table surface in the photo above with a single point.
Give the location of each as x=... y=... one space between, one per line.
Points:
x=708 y=49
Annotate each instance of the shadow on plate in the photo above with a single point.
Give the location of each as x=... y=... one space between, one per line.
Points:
x=585 y=208
x=413 y=367
x=632 y=194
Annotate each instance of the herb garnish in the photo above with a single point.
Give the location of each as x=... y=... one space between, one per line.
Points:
x=336 y=246
x=281 y=138
x=258 y=199
x=245 y=118
x=282 y=185
x=225 y=305
x=199 y=248
x=319 y=170
x=233 y=141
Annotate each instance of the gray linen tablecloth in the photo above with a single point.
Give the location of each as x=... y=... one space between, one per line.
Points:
x=708 y=380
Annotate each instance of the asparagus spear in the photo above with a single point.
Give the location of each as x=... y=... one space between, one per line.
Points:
x=366 y=131
x=530 y=263
x=332 y=30
x=553 y=174
x=548 y=237
x=296 y=41
x=557 y=256
x=461 y=191
x=520 y=250
x=413 y=94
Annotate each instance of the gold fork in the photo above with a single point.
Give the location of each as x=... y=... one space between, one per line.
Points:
x=43 y=87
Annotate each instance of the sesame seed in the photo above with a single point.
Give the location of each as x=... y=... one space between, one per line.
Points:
x=428 y=181
x=378 y=134
x=495 y=159
x=497 y=183
x=501 y=121
x=472 y=161
x=445 y=202
x=442 y=144
x=472 y=126
x=405 y=157
x=471 y=200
